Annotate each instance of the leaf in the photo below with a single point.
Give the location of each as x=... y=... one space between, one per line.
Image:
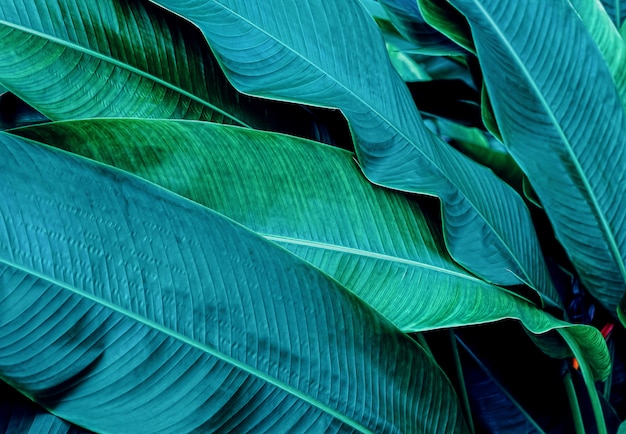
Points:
x=407 y=18
x=484 y=150
x=128 y=59
x=616 y=10
x=313 y=200
x=20 y=415
x=272 y=49
x=375 y=9
x=127 y=308
x=448 y=21
x=608 y=40
x=409 y=69
x=489 y=119
x=567 y=136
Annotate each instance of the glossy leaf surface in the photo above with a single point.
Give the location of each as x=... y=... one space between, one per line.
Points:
x=568 y=136
x=487 y=226
x=313 y=200
x=127 y=308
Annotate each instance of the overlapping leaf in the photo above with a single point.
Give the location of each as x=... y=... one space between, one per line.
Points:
x=616 y=9
x=127 y=58
x=563 y=121
x=448 y=21
x=607 y=39
x=329 y=54
x=407 y=18
x=312 y=200
x=127 y=308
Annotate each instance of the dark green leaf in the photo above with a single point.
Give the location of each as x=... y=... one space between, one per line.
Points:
x=448 y=21
x=312 y=200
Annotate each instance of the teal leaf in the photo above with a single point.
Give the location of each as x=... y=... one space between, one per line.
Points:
x=312 y=200
x=608 y=40
x=443 y=17
x=407 y=18
x=274 y=49
x=127 y=308
x=616 y=9
x=568 y=136
x=129 y=59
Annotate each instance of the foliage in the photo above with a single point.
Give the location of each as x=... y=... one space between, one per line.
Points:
x=286 y=216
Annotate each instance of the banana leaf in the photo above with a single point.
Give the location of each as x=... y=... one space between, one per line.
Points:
x=616 y=9
x=407 y=18
x=608 y=40
x=443 y=17
x=127 y=308
x=274 y=49
x=312 y=200
x=568 y=136
x=130 y=58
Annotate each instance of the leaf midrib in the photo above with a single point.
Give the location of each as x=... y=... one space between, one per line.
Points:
x=529 y=281
x=122 y=65
x=610 y=237
x=202 y=347
x=368 y=254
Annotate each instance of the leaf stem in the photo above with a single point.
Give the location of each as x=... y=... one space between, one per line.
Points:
x=579 y=425
x=589 y=381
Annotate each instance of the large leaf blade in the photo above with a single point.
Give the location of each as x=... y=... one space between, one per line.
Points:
x=312 y=200
x=117 y=293
x=407 y=18
x=266 y=49
x=130 y=59
x=568 y=136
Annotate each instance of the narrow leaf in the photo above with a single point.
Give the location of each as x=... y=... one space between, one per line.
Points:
x=448 y=21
